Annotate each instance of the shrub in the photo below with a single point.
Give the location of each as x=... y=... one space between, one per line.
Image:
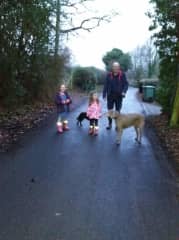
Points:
x=84 y=79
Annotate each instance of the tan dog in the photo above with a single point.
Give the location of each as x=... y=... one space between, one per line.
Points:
x=127 y=120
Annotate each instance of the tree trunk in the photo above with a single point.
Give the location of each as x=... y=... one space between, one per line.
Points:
x=175 y=113
x=174 y=121
x=57 y=28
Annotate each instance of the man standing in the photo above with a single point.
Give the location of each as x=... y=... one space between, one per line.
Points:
x=115 y=89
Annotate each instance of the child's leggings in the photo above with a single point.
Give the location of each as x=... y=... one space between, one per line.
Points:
x=94 y=122
x=62 y=116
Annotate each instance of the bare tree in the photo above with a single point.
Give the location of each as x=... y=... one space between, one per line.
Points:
x=145 y=59
x=71 y=16
x=88 y=24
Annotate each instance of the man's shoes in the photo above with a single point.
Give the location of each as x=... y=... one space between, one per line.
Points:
x=109 y=127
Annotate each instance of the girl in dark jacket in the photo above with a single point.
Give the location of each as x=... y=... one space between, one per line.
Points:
x=63 y=101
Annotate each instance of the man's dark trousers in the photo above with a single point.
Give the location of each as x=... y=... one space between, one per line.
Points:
x=114 y=100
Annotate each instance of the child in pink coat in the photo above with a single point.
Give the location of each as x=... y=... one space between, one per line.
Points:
x=94 y=113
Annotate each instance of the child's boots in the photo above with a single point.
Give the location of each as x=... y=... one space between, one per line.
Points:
x=59 y=127
x=96 y=129
x=91 y=130
x=65 y=126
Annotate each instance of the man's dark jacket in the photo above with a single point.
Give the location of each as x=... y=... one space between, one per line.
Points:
x=115 y=84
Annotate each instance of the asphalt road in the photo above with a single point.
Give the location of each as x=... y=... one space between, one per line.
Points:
x=78 y=187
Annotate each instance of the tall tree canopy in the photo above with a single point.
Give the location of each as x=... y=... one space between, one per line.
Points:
x=24 y=42
x=117 y=55
x=166 y=22
x=31 y=53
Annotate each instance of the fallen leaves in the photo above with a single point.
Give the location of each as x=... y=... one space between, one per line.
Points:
x=16 y=123
x=169 y=137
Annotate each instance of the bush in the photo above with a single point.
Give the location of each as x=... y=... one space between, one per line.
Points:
x=84 y=79
x=167 y=85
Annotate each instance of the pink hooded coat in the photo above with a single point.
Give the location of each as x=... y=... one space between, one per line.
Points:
x=94 y=111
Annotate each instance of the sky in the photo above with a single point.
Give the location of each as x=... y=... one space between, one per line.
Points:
x=126 y=31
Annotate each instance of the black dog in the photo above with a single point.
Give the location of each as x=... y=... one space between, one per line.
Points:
x=81 y=117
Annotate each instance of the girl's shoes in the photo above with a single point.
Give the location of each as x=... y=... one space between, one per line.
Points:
x=65 y=126
x=62 y=126
x=91 y=130
x=96 y=131
x=59 y=127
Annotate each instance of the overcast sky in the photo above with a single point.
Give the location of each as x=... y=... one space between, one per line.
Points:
x=126 y=32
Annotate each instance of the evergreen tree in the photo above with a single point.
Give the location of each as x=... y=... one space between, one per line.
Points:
x=166 y=19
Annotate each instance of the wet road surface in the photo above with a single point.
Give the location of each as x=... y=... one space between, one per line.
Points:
x=77 y=187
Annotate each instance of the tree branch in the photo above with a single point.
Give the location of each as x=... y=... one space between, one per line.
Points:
x=73 y=4
x=82 y=26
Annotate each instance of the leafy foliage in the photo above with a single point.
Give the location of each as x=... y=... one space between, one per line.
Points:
x=100 y=75
x=166 y=19
x=84 y=78
x=24 y=50
x=117 y=55
x=31 y=43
